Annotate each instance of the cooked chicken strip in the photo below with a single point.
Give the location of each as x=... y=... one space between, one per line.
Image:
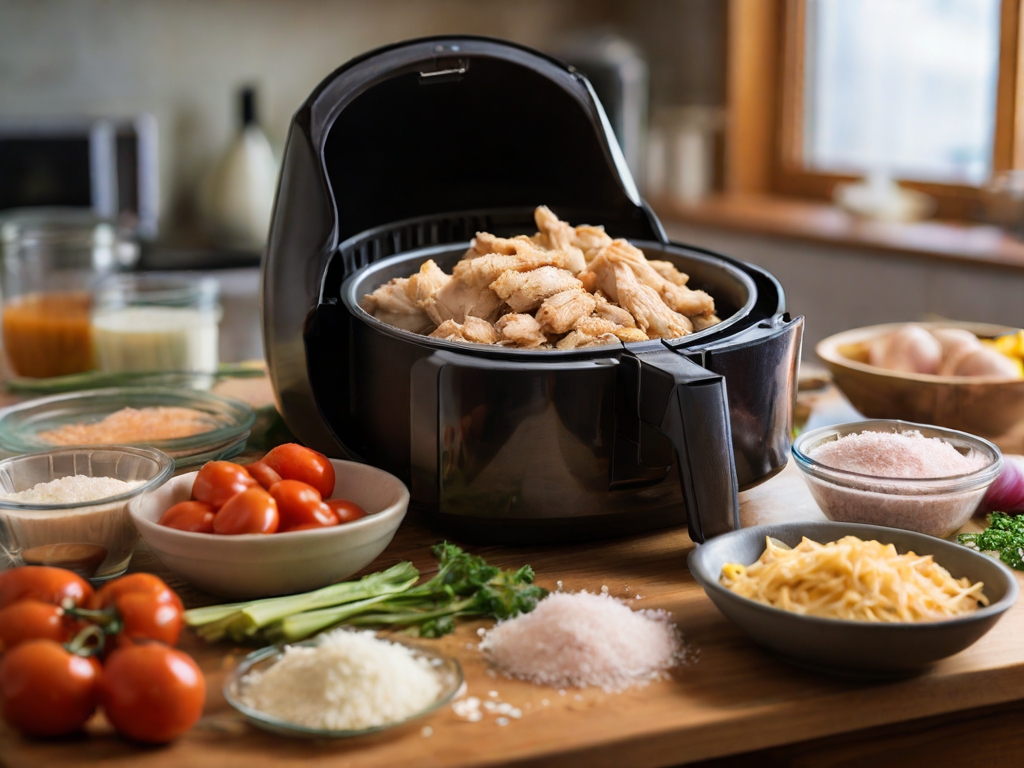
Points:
x=474 y=330
x=520 y=330
x=524 y=291
x=391 y=304
x=700 y=322
x=578 y=340
x=425 y=283
x=590 y=240
x=560 y=236
x=668 y=270
x=458 y=299
x=485 y=243
x=612 y=312
x=651 y=313
x=484 y=270
x=561 y=312
x=596 y=326
x=677 y=297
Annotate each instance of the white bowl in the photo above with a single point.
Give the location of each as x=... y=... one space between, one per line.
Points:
x=256 y=565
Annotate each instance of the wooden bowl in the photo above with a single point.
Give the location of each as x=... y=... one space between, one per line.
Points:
x=991 y=407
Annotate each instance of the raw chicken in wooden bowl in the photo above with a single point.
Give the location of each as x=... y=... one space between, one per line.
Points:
x=934 y=373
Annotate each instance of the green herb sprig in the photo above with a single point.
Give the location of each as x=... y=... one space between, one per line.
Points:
x=1005 y=535
x=465 y=585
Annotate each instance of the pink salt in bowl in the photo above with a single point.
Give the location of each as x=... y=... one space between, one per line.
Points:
x=936 y=506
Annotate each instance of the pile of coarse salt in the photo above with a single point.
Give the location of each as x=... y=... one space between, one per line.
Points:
x=348 y=681
x=583 y=639
x=899 y=455
x=72 y=489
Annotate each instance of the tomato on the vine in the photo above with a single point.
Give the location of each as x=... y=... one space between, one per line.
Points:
x=194 y=516
x=251 y=511
x=263 y=474
x=152 y=693
x=147 y=607
x=294 y=462
x=134 y=582
x=41 y=582
x=33 y=620
x=219 y=481
x=47 y=691
x=300 y=505
x=347 y=511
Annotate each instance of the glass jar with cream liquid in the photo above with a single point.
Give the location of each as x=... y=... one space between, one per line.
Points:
x=148 y=322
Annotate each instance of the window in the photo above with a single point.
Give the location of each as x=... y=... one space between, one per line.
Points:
x=907 y=87
x=824 y=91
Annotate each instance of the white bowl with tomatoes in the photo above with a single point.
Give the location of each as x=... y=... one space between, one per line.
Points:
x=292 y=522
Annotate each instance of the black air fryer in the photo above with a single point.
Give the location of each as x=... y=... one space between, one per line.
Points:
x=403 y=155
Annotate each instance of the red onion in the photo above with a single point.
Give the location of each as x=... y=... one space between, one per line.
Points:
x=1006 y=494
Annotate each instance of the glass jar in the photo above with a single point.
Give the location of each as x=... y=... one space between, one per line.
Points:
x=157 y=322
x=52 y=260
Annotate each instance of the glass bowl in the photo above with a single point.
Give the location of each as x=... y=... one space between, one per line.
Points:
x=93 y=538
x=21 y=425
x=937 y=506
x=447 y=668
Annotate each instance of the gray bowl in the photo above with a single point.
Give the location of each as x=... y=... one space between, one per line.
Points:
x=846 y=647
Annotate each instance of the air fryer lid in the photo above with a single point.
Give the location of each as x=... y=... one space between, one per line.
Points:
x=462 y=123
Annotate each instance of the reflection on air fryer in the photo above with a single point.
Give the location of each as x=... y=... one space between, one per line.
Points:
x=564 y=288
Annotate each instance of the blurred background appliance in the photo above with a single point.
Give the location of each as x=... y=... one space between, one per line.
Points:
x=106 y=165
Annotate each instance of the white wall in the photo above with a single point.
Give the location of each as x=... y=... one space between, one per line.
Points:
x=183 y=60
x=838 y=288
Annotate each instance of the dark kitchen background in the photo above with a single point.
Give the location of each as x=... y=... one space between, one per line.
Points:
x=863 y=152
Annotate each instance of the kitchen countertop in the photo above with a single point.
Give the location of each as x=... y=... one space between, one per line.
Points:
x=730 y=699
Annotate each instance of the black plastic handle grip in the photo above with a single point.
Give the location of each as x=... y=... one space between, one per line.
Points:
x=688 y=404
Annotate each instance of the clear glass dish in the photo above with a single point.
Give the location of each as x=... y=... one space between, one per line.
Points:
x=21 y=425
x=447 y=668
x=93 y=538
x=937 y=506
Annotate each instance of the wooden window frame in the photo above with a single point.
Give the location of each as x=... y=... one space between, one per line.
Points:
x=764 y=148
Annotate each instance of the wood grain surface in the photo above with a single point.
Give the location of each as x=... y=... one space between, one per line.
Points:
x=731 y=698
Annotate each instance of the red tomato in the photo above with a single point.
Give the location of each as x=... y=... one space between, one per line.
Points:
x=195 y=516
x=252 y=511
x=47 y=691
x=263 y=474
x=218 y=481
x=293 y=462
x=146 y=617
x=347 y=511
x=152 y=693
x=300 y=504
x=33 y=619
x=146 y=583
x=41 y=582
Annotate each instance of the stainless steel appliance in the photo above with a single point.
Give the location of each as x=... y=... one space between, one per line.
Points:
x=402 y=155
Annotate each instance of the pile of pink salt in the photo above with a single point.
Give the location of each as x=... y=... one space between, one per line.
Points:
x=899 y=455
x=582 y=639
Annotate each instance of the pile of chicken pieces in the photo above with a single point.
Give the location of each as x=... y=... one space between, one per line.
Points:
x=564 y=288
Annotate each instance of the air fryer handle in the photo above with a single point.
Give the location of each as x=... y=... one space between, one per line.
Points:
x=688 y=404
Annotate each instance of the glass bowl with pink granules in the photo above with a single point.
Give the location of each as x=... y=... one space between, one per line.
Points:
x=898 y=474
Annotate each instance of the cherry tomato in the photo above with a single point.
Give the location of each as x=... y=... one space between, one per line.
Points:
x=300 y=504
x=294 y=462
x=152 y=693
x=218 y=481
x=195 y=516
x=347 y=511
x=251 y=511
x=47 y=691
x=134 y=582
x=41 y=582
x=33 y=619
x=146 y=617
x=263 y=474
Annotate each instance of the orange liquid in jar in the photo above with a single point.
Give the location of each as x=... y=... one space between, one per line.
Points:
x=49 y=334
